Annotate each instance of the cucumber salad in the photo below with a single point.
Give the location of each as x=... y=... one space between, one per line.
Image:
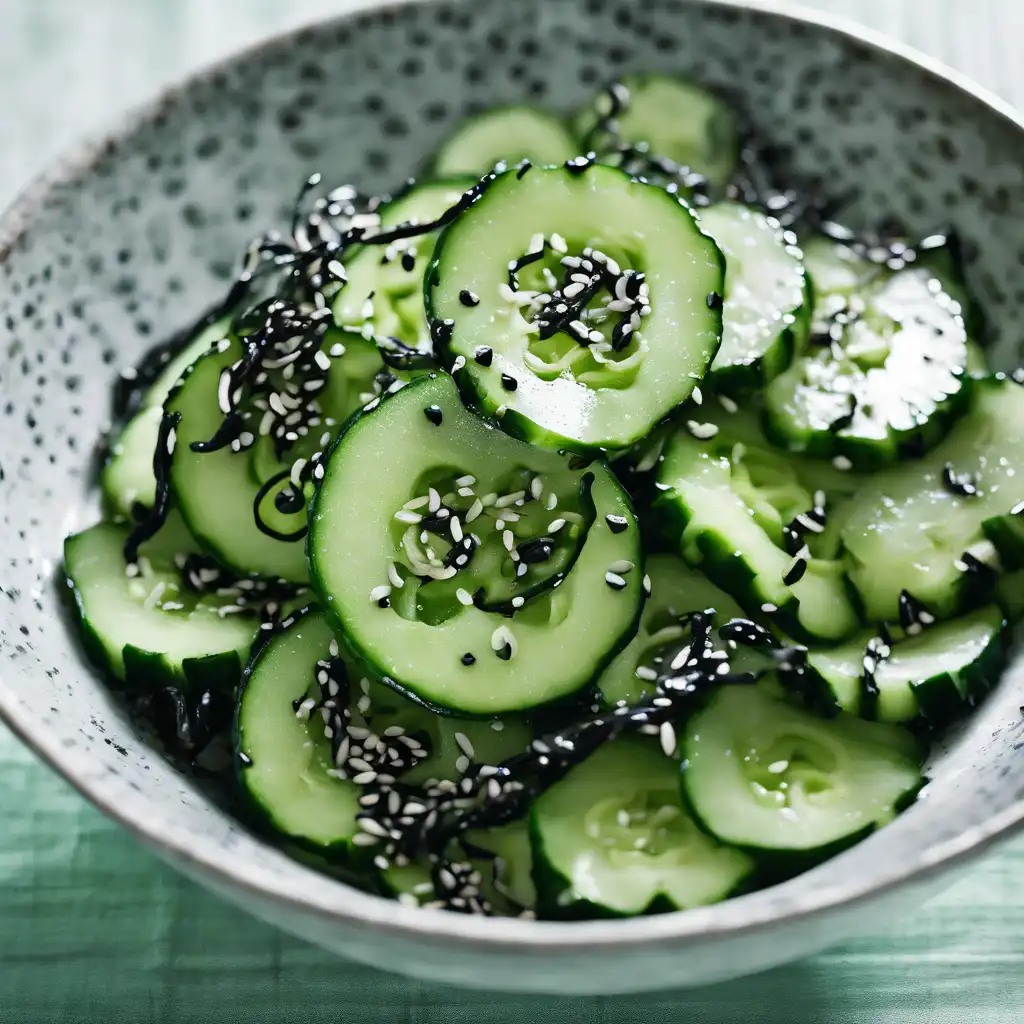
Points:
x=591 y=527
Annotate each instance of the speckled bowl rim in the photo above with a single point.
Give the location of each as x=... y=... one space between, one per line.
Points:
x=293 y=890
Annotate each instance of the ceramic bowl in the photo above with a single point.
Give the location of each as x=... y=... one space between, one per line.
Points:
x=130 y=237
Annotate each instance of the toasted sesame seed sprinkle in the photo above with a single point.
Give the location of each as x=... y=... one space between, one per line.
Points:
x=702 y=431
x=667 y=735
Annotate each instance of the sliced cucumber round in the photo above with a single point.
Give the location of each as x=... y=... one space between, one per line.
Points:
x=772 y=778
x=612 y=838
x=669 y=118
x=909 y=529
x=558 y=361
x=127 y=479
x=675 y=590
x=889 y=375
x=384 y=295
x=287 y=761
x=142 y=625
x=406 y=605
x=511 y=870
x=766 y=318
x=727 y=506
x=511 y=134
x=936 y=673
x=285 y=764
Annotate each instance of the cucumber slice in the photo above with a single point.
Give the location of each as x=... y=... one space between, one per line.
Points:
x=216 y=491
x=606 y=381
x=424 y=637
x=937 y=673
x=727 y=507
x=284 y=759
x=384 y=294
x=127 y=479
x=147 y=629
x=511 y=134
x=766 y=319
x=889 y=376
x=668 y=118
x=287 y=768
x=907 y=530
x=511 y=869
x=772 y=778
x=675 y=590
x=612 y=839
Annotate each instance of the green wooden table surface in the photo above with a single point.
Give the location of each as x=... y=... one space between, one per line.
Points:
x=93 y=928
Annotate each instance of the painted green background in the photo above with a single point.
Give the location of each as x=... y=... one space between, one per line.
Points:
x=92 y=928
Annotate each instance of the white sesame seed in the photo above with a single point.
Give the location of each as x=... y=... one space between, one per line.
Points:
x=621 y=567
x=647 y=674
x=464 y=596
x=460 y=362
x=518 y=602
x=509 y=499
x=456 y=529
x=647 y=585
x=395 y=576
x=497 y=726
x=555 y=525
x=702 y=431
x=364 y=778
x=536 y=487
x=841 y=462
x=551 y=501
x=408 y=516
x=508 y=539
x=697 y=397
x=680 y=659
x=379 y=593
x=614 y=580
x=364 y=838
x=768 y=608
x=474 y=510
x=464 y=744
x=668 y=739
x=461 y=764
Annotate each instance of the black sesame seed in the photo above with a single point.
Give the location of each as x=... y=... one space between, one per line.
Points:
x=796 y=573
x=484 y=356
x=617 y=523
x=467 y=298
x=384 y=602
x=434 y=414
x=714 y=301
x=509 y=383
x=408 y=261
x=539 y=549
x=468 y=659
x=523 y=168
x=961 y=484
x=505 y=653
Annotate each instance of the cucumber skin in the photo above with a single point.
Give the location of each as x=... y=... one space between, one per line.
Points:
x=146 y=671
x=375 y=670
x=551 y=883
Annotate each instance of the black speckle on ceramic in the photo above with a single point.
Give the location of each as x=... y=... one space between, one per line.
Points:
x=134 y=237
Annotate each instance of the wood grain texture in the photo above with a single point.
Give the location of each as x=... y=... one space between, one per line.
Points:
x=93 y=928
